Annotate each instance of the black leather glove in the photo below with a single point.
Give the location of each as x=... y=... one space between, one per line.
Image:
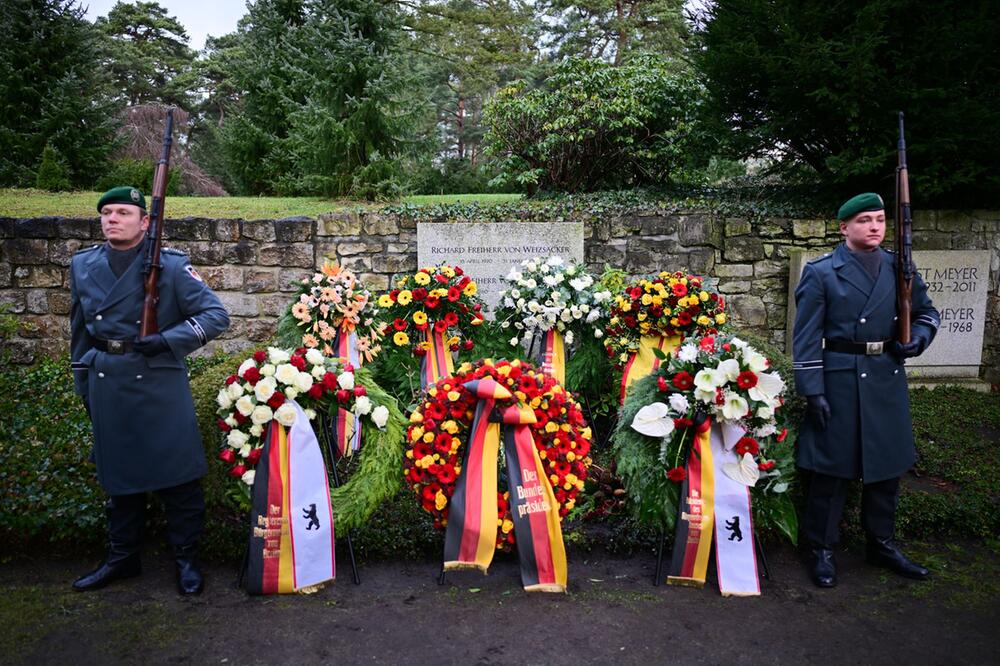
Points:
x=151 y=345
x=915 y=347
x=819 y=410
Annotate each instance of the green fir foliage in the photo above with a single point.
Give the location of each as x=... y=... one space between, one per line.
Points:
x=53 y=175
x=54 y=92
x=818 y=84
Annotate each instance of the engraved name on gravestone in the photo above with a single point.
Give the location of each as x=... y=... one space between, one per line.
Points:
x=958 y=284
x=486 y=251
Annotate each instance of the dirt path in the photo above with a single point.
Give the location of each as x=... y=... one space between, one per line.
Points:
x=399 y=615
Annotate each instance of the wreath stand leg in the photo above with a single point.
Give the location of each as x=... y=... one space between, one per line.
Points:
x=760 y=554
x=241 y=574
x=441 y=577
x=328 y=427
x=659 y=560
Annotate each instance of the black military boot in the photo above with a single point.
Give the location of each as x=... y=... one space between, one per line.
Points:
x=117 y=565
x=190 y=580
x=823 y=569
x=885 y=553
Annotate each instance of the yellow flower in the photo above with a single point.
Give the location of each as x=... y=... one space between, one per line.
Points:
x=675 y=322
x=614 y=321
x=703 y=296
x=470 y=289
x=704 y=321
x=447 y=271
x=449 y=427
x=720 y=318
x=657 y=300
x=440 y=501
x=419 y=317
x=625 y=307
x=416 y=434
x=384 y=301
x=646 y=299
x=401 y=339
x=454 y=395
x=642 y=316
x=404 y=297
x=421 y=278
x=428 y=438
x=507 y=526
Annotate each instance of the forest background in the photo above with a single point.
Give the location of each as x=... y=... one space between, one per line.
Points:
x=374 y=99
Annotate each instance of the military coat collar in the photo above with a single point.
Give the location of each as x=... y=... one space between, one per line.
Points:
x=115 y=289
x=851 y=271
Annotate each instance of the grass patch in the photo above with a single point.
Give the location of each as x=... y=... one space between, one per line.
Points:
x=39 y=203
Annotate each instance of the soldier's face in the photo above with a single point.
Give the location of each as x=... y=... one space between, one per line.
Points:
x=123 y=225
x=864 y=231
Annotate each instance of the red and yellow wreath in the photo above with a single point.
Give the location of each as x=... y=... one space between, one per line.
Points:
x=439 y=431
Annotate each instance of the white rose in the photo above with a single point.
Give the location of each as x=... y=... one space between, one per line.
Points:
x=256 y=430
x=286 y=373
x=261 y=414
x=237 y=439
x=346 y=381
x=291 y=393
x=515 y=293
x=247 y=477
x=246 y=365
x=314 y=356
x=569 y=337
x=318 y=371
x=267 y=370
x=602 y=296
x=225 y=402
x=380 y=416
x=245 y=405
x=245 y=450
x=285 y=415
x=310 y=413
x=362 y=405
x=235 y=390
x=598 y=333
x=578 y=283
x=265 y=389
x=765 y=412
x=530 y=283
x=593 y=316
x=513 y=341
x=231 y=422
x=277 y=356
x=544 y=268
x=679 y=403
x=566 y=315
x=303 y=382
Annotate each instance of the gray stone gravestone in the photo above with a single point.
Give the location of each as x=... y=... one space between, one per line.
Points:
x=958 y=283
x=486 y=251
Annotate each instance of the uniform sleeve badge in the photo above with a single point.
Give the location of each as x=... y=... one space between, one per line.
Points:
x=193 y=273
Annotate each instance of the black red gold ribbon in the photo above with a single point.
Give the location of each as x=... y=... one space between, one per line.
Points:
x=554 y=356
x=470 y=536
x=437 y=362
x=696 y=514
x=644 y=361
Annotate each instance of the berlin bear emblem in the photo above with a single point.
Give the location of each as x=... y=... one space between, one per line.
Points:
x=734 y=527
x=310 y=514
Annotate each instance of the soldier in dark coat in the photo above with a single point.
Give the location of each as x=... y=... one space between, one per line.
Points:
x=850 y=368
x=136 y=390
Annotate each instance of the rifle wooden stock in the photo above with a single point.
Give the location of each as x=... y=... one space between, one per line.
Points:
x=903 y=243
x=151 y=267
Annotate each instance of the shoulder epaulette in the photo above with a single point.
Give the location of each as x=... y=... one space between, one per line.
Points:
x=819 y=259
x=170 y=250
x=87 y=249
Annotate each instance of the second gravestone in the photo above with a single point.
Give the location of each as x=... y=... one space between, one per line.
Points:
x=487 y=251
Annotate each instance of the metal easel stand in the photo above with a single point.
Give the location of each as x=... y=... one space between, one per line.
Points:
x=658 y=576
x=327 y=425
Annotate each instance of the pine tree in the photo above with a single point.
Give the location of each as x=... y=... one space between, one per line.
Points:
x=52 y=172
x=53 y=92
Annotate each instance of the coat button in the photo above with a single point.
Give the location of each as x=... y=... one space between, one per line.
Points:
x=863 y=375
x=864 y=321
x=100 y=374
x=138 y=376
x=98 y=317
x=895 y=372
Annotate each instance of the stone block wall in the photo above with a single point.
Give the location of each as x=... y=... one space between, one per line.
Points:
x=251 y=263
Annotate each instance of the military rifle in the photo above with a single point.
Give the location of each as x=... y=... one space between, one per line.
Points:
x=151 y=266
x=903 y=242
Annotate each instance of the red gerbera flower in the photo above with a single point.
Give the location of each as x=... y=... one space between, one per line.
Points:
x=443 y=279
x=684 y=319
x=707 y=343
x=766 y=465
x=635 y=292
x=419 y=294
x=782 y=436
x=677 y=474
x=432 y=302
x=683 y=380
x=451 y=319
x=680 y=290
x=746 y=379
x=747 y=445
x=440 y=326
x=454 y=293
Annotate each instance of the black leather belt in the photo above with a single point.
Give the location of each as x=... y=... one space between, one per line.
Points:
x=113 y=346
x=846 y=347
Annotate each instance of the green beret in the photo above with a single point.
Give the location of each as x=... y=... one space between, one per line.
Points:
x=122 y=195
x=860 y=204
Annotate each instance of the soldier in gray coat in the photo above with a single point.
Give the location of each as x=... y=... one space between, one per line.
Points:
x=136 y=391
x=850 y=368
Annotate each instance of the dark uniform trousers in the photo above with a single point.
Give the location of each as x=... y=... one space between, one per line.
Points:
x=825 y=506
x=184 y=506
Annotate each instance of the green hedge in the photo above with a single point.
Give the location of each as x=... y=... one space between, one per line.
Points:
x=52 y=501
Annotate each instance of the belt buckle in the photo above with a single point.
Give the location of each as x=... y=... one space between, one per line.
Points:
x=874 y=348
x=116 y=347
